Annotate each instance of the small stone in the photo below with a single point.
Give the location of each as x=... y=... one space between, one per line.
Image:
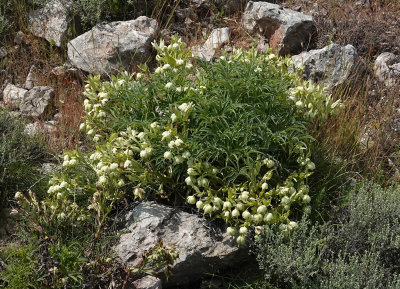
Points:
x=297 y=8
x=57 y=116
x=20 y=38
x=66 y=70
x=387 y=68
x=31 y=79
x=37 y=127
x=48 y=168
x=215 y=41
x=262 y=44
x=3 y=52
x=148 y=282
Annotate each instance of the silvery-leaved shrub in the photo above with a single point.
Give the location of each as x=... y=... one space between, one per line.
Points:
x=229 y=137
x=358 y=248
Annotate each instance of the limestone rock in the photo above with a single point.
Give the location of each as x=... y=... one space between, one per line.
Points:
x=288 y=31
x=110 y=47
x=200 y=250
x=52 y=21
x=3 y=52
x=36 y=101
x=332 y=64
x=148 y=282
x=217 y=38
x=67 y=71
x=387 y=68
x=21 y=38
x=31 y=79
x=36 y=127
x=13 y=95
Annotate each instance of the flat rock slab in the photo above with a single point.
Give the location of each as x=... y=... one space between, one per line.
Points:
x=200 y=250
x=387 y=68
x=288 y=31
x=332 y=64
x=52 y=21
x=37 y=101
x=108 y=48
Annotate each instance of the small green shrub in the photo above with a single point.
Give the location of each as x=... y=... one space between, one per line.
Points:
x=92 y=12
x=228 y=136
x=358 y=249
x=20 y=266
x=20 y=156
x=70 y=263
x=372 y=218
x=290 y=260
x=4 y=23
x=358 y=272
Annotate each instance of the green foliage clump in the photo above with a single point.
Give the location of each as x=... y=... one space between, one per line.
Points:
x=19 y=269
x=361 y=251
x=372 y=221
x=4 y=23
x=20 y=156
x=290 y=260
x=228 y=136
x=92 y=12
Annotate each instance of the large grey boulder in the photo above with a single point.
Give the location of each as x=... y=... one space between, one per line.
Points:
x=52 y=21
x=108 y=48
x=387 y=68
x=200 y=250
x=288 y=31
x=332 y=64
x=37 y=101
x=13 y=95
x=217 y=38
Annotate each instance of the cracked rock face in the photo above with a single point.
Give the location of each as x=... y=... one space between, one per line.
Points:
x=288 y=31
x=387 y=68
x=110 y=47
x=36 y=101
x=332 y=64
x=200 y=250
x=52 y=21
